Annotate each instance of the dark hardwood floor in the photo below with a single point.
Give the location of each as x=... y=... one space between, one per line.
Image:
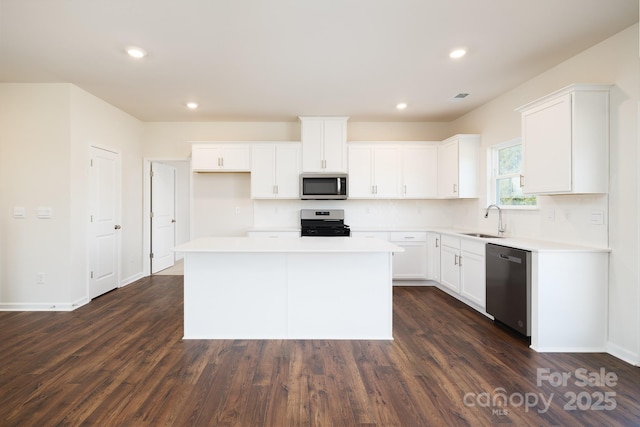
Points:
x=121 y=361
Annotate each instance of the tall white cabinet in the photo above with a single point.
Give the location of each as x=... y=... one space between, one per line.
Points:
x=324 y=143
x=458 y=158
x=565 y=140
x=374 y=171
x=275 y=170
x=419 y=171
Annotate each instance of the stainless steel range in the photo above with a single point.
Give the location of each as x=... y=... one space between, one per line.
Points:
x=325 y=223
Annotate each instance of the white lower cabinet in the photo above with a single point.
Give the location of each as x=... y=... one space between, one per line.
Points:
x=412 y=263
x=473 y=272
x=463 y=269
x=433 y=256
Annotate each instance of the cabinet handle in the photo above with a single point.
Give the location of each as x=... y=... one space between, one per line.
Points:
x=117 y=227
x=222 y=161
x=521 y=181
x=409 y=237
x=460 y=261
x=405 y=189
x=437 y=243
x=455 y=260
x=455 y=188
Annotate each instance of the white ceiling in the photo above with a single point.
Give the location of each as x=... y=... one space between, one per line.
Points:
x=263 y=60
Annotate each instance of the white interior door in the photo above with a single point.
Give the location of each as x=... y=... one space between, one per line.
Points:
x=104 y=199
x=163 y=218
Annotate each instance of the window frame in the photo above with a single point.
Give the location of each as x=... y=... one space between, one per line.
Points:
x=492 y=175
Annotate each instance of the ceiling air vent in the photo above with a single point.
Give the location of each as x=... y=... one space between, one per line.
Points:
x=461 y=96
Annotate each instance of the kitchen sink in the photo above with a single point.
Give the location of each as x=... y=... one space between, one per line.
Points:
x=482 y=235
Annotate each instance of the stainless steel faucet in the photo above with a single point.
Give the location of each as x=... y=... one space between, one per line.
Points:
x=500 y=225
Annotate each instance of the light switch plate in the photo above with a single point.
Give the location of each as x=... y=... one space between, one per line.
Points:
x=597 y=217
x=44 y=212
x=19 y=212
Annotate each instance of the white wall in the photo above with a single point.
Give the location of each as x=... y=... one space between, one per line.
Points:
x=94 y=122
x=614 y=61
x=35 y=171
x=45 y=132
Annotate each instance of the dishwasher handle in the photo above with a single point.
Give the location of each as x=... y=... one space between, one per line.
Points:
x=510 y=258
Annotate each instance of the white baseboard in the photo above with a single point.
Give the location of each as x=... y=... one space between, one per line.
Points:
x=405 y=282
x=624 y=354
x=129 y=280
x=43 y=306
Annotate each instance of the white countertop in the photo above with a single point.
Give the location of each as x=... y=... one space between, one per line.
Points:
x=288 y=245
x=524 y=243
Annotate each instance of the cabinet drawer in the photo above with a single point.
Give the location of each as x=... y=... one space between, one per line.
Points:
x=451 y=241
x=383 y=235
x=408 y=236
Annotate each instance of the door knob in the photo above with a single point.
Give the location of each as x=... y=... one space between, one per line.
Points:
x=117 y=227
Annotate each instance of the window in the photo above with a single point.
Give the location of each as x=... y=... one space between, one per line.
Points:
x=506 y=169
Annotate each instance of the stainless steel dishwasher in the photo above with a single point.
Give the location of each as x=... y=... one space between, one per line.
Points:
x=509 y=286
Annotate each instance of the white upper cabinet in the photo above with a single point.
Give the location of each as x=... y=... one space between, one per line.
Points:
x=419 y=171
x=324 y=144
x=565 y=140
x=374 y=171
x=221 y=157
x=458 y=159
x=275 y=171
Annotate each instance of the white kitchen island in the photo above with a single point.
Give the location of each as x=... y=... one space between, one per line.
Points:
x=288 y=288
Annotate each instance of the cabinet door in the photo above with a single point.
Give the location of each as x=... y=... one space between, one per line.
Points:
x=472 y=277
x=433 y=256
x=412 y=263
x=205 y=158
x=312 y=145
x=448 y=170
x=334 y=140
x=360 y=172
x=287 y=173
x=262 y=171
x=546 y=142
x=450 y=268
x=420 y=172
x=236 y=158
x=386 y=170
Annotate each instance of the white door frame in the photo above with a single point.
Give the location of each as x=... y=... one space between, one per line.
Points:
x=146 y=207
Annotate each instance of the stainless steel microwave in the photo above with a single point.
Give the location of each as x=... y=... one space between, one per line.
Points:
x=323 y=186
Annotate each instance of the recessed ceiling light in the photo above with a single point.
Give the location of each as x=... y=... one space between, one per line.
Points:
x=136 y=52
x=192 y=105
x=401 y=106
x=457 y=53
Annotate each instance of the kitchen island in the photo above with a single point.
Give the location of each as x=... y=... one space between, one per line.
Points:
x=288 y=288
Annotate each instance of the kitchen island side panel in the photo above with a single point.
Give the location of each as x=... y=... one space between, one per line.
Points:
x=288 y=295
x=235 y=296
x=347 y=296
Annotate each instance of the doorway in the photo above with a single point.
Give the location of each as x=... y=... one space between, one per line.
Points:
x=157 y=232
x=163 y=216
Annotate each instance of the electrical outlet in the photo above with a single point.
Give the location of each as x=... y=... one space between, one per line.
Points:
x=40 y=278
